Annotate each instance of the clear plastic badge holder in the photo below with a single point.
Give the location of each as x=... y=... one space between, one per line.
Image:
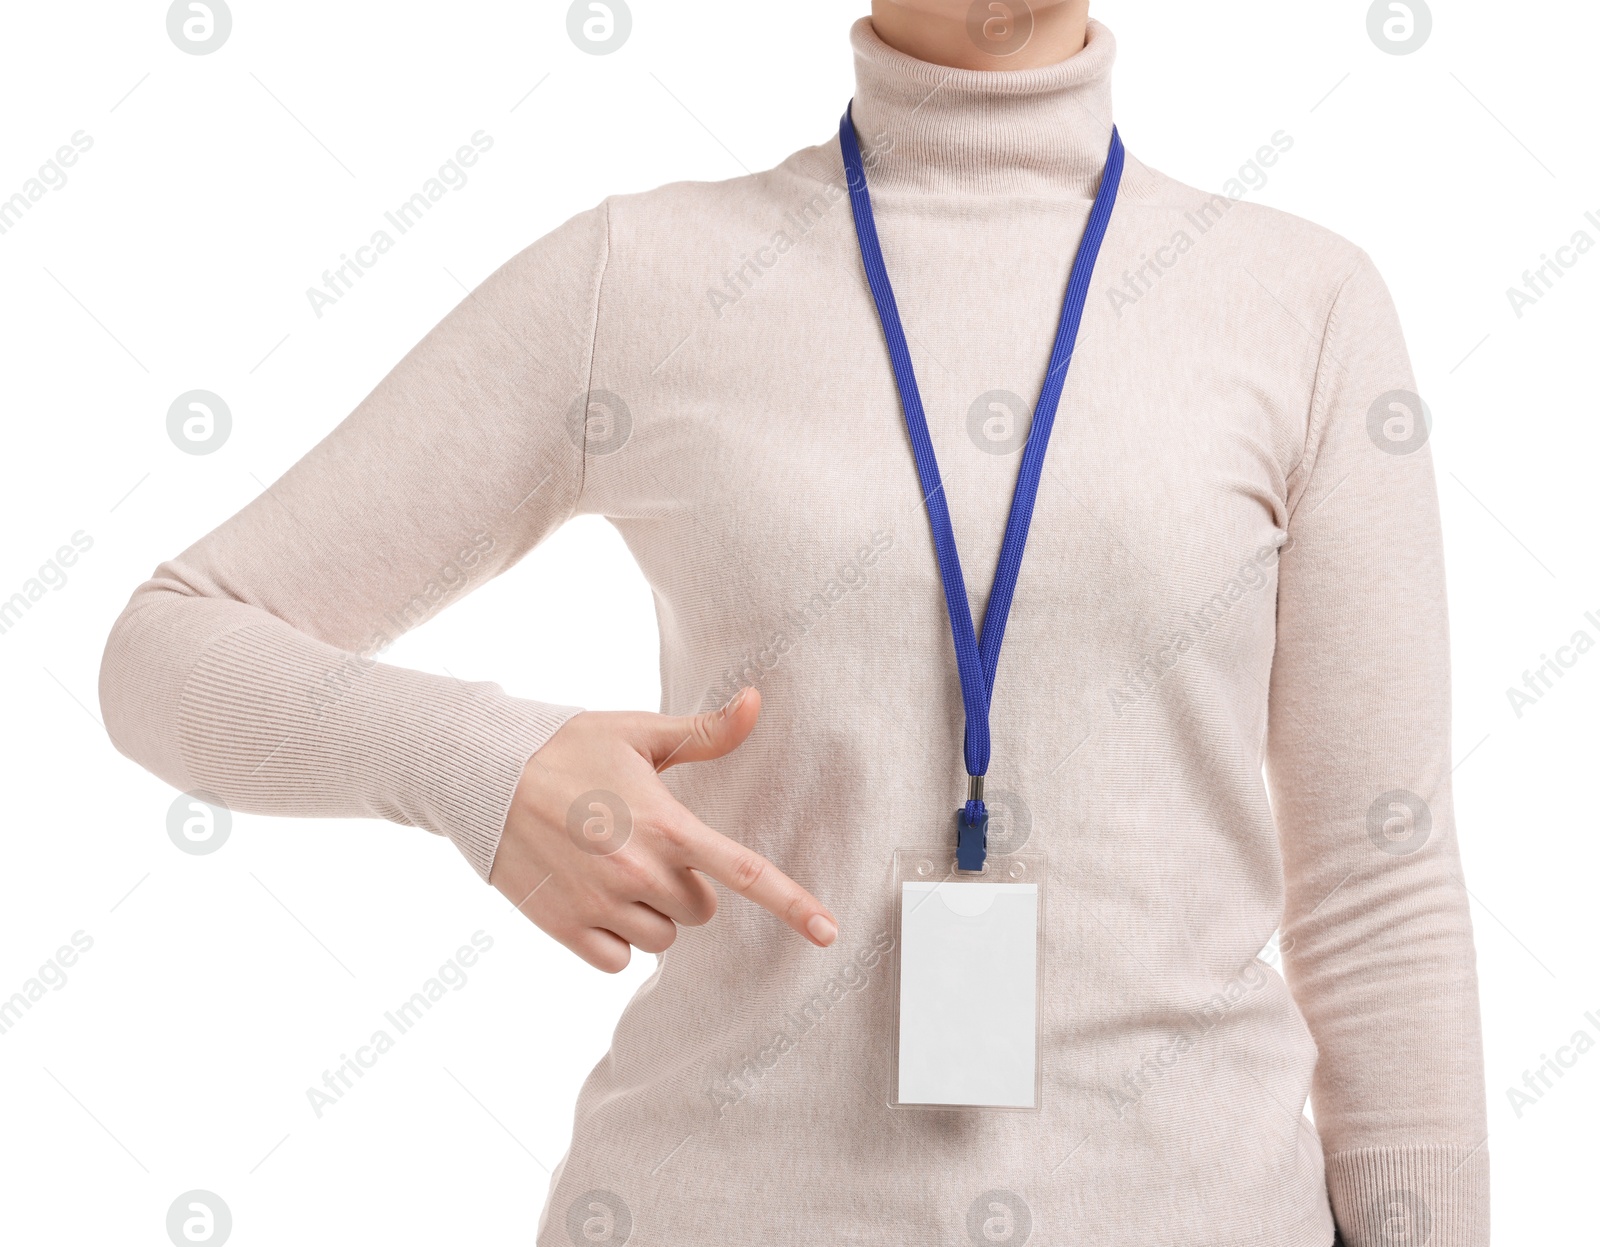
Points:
x=969 y=974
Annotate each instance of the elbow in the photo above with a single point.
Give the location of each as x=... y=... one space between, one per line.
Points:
x=141 y=683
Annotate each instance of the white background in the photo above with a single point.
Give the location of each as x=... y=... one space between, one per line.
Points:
x=177 y=256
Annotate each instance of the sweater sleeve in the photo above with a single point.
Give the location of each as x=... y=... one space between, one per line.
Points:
x=1376 y=931
x=246 y=669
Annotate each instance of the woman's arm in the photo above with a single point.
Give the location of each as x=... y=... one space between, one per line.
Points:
x=1377 y=936
x=246 y=667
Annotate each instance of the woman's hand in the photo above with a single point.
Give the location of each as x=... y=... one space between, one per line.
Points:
x=601 y=856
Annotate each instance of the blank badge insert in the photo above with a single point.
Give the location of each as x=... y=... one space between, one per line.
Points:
x=969 y=988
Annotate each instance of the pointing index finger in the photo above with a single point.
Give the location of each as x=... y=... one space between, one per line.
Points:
x=756 y=879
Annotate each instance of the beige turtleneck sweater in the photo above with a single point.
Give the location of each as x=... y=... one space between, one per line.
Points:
x=1234 y=565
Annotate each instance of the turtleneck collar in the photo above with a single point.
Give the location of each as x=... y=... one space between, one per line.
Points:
x=1030 y=131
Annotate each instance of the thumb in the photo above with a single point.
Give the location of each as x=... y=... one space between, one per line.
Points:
x=668 y=739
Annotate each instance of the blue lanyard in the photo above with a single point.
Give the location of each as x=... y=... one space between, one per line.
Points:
x=977 y=658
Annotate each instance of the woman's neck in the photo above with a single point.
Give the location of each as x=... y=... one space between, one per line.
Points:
x=1005 y=34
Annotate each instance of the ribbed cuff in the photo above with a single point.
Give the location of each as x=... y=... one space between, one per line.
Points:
x=274 y=722
x=493 y=736
x=1435 y=1195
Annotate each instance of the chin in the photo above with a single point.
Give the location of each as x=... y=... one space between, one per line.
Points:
x=958 y=10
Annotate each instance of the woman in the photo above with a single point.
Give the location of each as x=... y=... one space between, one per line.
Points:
x=1234 y=561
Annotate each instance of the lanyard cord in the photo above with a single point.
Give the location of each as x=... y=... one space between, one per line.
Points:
x=978 y=659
